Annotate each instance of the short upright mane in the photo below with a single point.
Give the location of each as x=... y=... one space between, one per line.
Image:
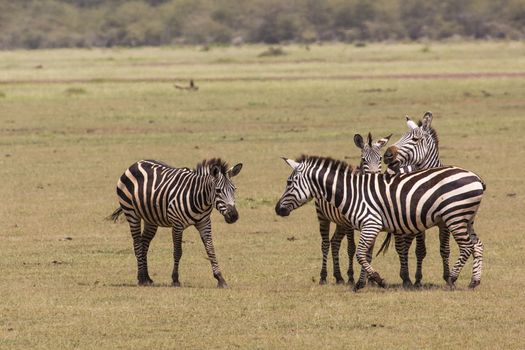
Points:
x=432 y=132
x=205 y=166
x=327 y=161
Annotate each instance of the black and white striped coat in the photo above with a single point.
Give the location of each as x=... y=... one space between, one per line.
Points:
x=161 y=195
x=401 y=204
x=418 y=148
x=327 y=213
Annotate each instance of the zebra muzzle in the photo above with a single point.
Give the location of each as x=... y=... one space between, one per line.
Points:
x=280 y=210
x=390 y=154
x=231 y=215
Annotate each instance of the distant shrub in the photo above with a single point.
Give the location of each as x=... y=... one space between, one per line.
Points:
x=272 y=51
x=75 y=91
x=2 y=94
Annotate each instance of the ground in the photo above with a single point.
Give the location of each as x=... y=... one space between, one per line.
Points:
x=71 y=121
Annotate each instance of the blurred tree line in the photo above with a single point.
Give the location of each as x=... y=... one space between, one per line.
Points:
x=105 y=23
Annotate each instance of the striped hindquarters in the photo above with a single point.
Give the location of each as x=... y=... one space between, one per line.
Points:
x=416 y=201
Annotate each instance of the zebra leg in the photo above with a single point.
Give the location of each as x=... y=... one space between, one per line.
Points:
x=402 y=243
x=366 y=240
x=444 y=250
x=335 y=243
x=134 y=226
x=421 y=252
x=466 y=246
x=477 y=265
x=362 y=275
x=324 y=230
x=147 y=235
x=351 y=253
x=204 y=228
x=176 y=233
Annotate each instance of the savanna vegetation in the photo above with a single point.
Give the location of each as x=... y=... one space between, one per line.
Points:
x=98 y=23
x=71 y=120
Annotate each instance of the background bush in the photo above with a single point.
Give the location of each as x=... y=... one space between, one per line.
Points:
x=86 y=23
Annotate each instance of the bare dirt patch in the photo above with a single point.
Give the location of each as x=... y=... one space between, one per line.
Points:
x=403 y=76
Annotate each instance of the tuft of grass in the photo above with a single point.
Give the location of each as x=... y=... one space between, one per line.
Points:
x=2 y=94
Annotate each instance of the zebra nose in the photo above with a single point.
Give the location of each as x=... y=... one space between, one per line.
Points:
x=388 y=157
x=231 y=214
x=280 y=210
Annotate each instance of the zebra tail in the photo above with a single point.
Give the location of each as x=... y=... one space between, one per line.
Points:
x=115 y=214
x=386 y=243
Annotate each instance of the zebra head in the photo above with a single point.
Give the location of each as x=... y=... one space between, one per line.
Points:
x=418 y=146
x=297 y=191
x=224 y=191
x=370 y=153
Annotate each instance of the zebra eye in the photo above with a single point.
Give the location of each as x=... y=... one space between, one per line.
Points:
x=218 y=190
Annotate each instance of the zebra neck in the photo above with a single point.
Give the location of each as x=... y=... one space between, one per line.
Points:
x=433 y=162
x=207 y=190
x=331 y=184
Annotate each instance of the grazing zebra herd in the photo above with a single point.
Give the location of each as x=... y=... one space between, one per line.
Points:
x=415 y=193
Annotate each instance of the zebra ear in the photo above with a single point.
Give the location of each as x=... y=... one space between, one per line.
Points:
x=233 y=171
x=369 y=139
x=427 y=120
x=358 y=140
x=381 y=142
x=215 y=171
x=410 y=123
x=292 y=163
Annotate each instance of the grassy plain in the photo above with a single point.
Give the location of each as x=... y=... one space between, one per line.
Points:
x=72 y=120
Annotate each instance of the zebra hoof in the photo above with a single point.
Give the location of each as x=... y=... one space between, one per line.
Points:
x=222 y=285
x=407 y=284
x=322 y=282
x=446 y=276
x=351 y=282
x=145 y=282
x=377 y=279
x=175 y=284
x=361 y=283
x=474 y=284
x=450 y=284
x=417 y=284
x=340 y=281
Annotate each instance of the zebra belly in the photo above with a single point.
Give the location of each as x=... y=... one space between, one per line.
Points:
x=329 y=212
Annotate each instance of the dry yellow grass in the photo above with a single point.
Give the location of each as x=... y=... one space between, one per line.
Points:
x=68 y=275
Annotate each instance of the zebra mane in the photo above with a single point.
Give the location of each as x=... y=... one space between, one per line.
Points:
x=432 y=132
x=205 y=166
x=328 y=161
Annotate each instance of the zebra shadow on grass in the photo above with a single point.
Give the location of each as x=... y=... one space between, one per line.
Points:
x=156 y=285
x=423 y=287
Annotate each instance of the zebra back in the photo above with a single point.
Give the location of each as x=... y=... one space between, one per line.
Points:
x=164 y=195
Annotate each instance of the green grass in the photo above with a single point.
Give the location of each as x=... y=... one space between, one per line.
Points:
x=69 y=129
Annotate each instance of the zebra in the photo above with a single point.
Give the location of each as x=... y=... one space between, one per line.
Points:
x=161 y=195
x=401 y=204
x=418 y=148
x=327 y=213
